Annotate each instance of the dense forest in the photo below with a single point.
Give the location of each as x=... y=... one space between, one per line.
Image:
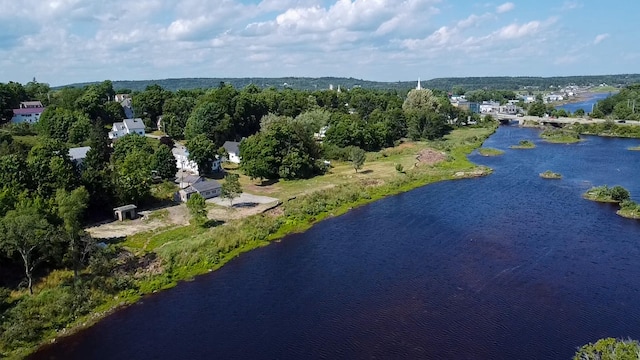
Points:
x=323 y=83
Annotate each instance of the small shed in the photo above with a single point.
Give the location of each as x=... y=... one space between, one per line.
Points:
x=125 y=212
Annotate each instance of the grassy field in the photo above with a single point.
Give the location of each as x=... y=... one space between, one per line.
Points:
x=379 y=168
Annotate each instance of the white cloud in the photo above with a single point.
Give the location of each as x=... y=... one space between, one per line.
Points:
x=506 y=7
x=600 y=38
x=570 y=5
x=515 y=31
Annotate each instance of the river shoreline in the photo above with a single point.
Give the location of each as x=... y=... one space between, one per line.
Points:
x=459 y=169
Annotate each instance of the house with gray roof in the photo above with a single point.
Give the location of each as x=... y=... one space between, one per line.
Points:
x=78 y=154
x=233 y=150
x=207 y=189
x=126 y=127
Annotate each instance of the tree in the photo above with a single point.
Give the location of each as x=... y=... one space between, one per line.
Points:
x=198 y=208
x=128 y=144
x=133 y=178
x=209 y=119
x=164 y=163
x=420 y=100
x=537 y=109
x=51 y=168
x=231 y=188
x=202 y=151
x=619 y=194
x=357 y=157
x=25 y=231
x=284 y=149
x=71 y=208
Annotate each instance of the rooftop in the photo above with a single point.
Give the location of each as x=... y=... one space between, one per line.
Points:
x=232 y=147
x=79 y=153
x=134 y=124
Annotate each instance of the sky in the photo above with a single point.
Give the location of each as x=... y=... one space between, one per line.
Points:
x=67 y=41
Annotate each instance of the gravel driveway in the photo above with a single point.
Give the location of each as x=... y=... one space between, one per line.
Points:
x=244 y=200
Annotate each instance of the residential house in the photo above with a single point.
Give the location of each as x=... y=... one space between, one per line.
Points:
x=233 y=150
x=29 y=112
x=126 y=127
x=185 y=179
x=207 y=189
x=127 y=107
x=78 y=154
x=185 y=164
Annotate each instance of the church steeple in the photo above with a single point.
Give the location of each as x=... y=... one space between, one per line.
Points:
x=419 y=87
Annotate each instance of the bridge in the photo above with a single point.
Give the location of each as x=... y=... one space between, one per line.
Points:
x=558 y=122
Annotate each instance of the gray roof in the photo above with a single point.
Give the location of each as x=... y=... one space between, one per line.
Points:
x=189 y=178
x=232 y=147
x=125 y=208
x=206 y=185
x=79 y=153
x=134 y=124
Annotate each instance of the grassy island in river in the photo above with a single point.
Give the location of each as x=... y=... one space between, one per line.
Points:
x=490 y=152
x=550 y=175
x=524 y=144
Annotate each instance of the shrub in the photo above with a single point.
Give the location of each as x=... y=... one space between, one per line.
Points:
x=618 y=193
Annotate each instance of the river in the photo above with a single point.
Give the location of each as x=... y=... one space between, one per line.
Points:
x=510 y=266
x=586 y=105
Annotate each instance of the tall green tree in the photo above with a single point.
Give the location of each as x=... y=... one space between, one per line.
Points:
x=357 y=157
x=284 y=149
x=25 y=232
x=71 y=208
x=203 y=152
x=231 y=187
x=51 y=168
x=132 y=178
x=164 y=163
x=198 y=208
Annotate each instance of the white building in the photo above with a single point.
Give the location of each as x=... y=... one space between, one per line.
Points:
x=126 y=127
x=489 y=107
x=185 y=164
x=29 y=112
x=233 y=149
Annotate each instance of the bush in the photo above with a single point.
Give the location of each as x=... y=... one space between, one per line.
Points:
x=618 y=193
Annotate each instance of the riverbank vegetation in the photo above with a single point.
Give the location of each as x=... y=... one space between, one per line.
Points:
x=607 y=128
x=560 y=136
x=550 y=175
x=624 y=105
x=524 y=144
x=490 y=152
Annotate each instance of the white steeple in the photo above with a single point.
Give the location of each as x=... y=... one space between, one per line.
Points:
x=419 y=87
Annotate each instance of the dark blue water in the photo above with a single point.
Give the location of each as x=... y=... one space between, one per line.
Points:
x=586 y=105
x=509 y=266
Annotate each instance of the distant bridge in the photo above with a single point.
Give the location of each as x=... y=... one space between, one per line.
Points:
x=558 y=122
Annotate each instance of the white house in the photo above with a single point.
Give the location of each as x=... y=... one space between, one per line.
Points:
x=185 y=164
x=126 y=127
x=207 y=189
x=233 y=150
x=29 y=112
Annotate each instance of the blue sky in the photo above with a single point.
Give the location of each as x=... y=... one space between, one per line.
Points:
x=67 y=41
